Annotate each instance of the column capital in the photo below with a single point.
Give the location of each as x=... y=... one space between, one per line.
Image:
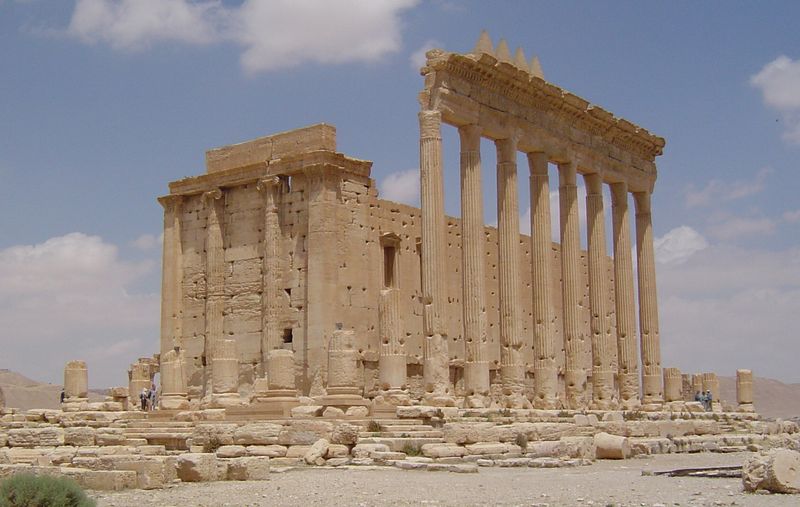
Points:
x=642 y=202
x=594 y=183
x=213 y=194
x=268 y=184
x=619 y=192
x=507 y=149
x=430 y=122
x=170 y=201
x=567 y=173
x=537 y=162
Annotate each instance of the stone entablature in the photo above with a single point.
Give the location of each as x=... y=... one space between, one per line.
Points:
x=506 y=100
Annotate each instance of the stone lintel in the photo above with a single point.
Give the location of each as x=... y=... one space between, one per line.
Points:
x=287 y=166
x=264 y=149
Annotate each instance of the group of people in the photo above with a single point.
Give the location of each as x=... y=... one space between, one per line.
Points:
x=148 y=398
x=705 y=398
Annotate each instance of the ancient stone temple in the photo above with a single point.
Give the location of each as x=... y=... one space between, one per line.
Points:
x=284 y=241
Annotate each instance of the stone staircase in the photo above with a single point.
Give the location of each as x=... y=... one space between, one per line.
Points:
x=401 y=435
x=170 y=434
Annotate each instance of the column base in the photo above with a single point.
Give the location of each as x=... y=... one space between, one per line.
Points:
x=223 y=400
x=75 y=404
x=438 y=400
x=343 y=401
x=476 y=379
x=395 y=397
x=575 y=390
x=746 y=407
x=546 y=386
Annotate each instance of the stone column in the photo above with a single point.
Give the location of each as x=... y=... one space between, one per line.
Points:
x=628 y=376
x=711 y=383
x=225 y=374
x=271 y=273
x=544 y=365
x=392 y=359
x=345 y=380
x=215 y=277
x=171 y=274
x=280 y=374
x=604 y=351
x=76 y=381
x=697 y=385
x=673 y=385
x=139 y=378
x=744 y=390
x=652 y=391
x=473 y=252
x=436 y=358
x=173 y=381
x=512 y=366
x=322 y=279
x=574 y=339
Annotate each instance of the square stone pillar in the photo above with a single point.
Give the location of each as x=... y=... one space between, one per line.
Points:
x=215 y=280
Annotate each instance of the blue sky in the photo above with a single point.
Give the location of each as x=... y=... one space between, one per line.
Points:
x=102 y=102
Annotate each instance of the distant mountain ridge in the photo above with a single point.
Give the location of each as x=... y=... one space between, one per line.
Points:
x=18 y=391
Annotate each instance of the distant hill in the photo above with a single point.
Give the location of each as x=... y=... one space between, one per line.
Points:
x=19 y=391
x=772 y=397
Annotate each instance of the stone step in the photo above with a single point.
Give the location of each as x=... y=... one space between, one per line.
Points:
x=397 y=444
x=406 y=427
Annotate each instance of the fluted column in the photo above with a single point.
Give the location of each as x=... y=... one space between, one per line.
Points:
x=574 y=339
x=473 y=252
x=271 y=272
x=544 y=366
x=436 y=359
x=215 y=276
x=628 y=377
x=512 y=367
x=392 y=360
x=171 y=275
x=604 y=350
x=673 y=384
x=652 y=389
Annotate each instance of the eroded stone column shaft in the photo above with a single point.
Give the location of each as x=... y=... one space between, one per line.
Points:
x=544 y=366
x=744 y=390
x=436 y=359
x=628 y=377
x=473 y=251
x=652 y=390
x=271 y=272
x=171 y=274
x=392 y=360
x=673 y=384
x=226 y=368
x=512 y=367
x=76 y=380
x=574 y=340
x=604 y=349
x=215 y=273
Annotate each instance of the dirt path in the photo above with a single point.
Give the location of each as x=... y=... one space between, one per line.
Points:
x=618 y=483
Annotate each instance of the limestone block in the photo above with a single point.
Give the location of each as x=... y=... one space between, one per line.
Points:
x=297 y=452
x=249 y=469
x=35 y=437
x=305 y=432
x=487 y=448
x=578 y=447
x=417 y=412
x=777 y=471
x=149 y=474
x=357 y=412
x=102 y=480
x=613 y=417
x=443 y=450
x=152 y=450
x=197 y=467
x=79 y=436
x=307 y=411
x=332 y=413
x=222 y=434
x=365 y=450
x=272 y=451
x=464 y=468
x=20 y=455
x=545 y=449
x=337 y=462
x=316 y=453
x=470 y=433
x=110 y=436
x=337 y=451
x=3 y=439
x=231 y=451
x=76 y=380
x=345 y=433
x=611 y=446
x=257 y=434
x=580 y=420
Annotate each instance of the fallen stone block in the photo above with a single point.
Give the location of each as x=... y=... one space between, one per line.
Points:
x=249 y=469
x=333 y=413
x=337 y=462
x=297 y=451
x=443 y=450
x=346 y=434
x=357 y=412
x=149 y=474
x=315 y=454
x=305 y=432
x=197 y=467
x=307 y=411
x=337 y=451
x=611 y=446
x=257 y=434
x=417 y=411
x=365 y=450
x=777 y=471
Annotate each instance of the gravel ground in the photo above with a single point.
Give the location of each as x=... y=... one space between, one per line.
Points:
x=618 y=483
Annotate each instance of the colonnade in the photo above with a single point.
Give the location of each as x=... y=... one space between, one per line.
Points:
x=606 y=349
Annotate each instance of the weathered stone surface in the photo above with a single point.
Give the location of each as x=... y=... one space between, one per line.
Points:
x=36 y=437
x=149 y=474
x=272 y=451
x=249 y=469
x=345 y=433
x=417 y=411
x=337 y=451
x=231 y=451
x=79 y=436
x=110 y=436
x=777 y=471
x=305 y=432
x=443 y=450
x=365 y=450
x=317 y=451
x=357 y=412
x=307 y=411
x=470 y=433
x=257 y=434
x=197 y=467
x=611 y=446
x=332 y=413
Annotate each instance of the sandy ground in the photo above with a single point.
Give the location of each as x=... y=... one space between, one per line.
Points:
x=618 y=483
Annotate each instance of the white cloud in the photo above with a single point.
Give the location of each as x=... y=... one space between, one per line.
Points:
x=678 y=245
x=69 y=298
x=401 y=186
x=779 y=82
x=274 y=35
x=792 y=217
x=417 y=58
x=717 y=191
x=147 y=242
x=732 y=228
x=136 y=24
x=727 y=308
